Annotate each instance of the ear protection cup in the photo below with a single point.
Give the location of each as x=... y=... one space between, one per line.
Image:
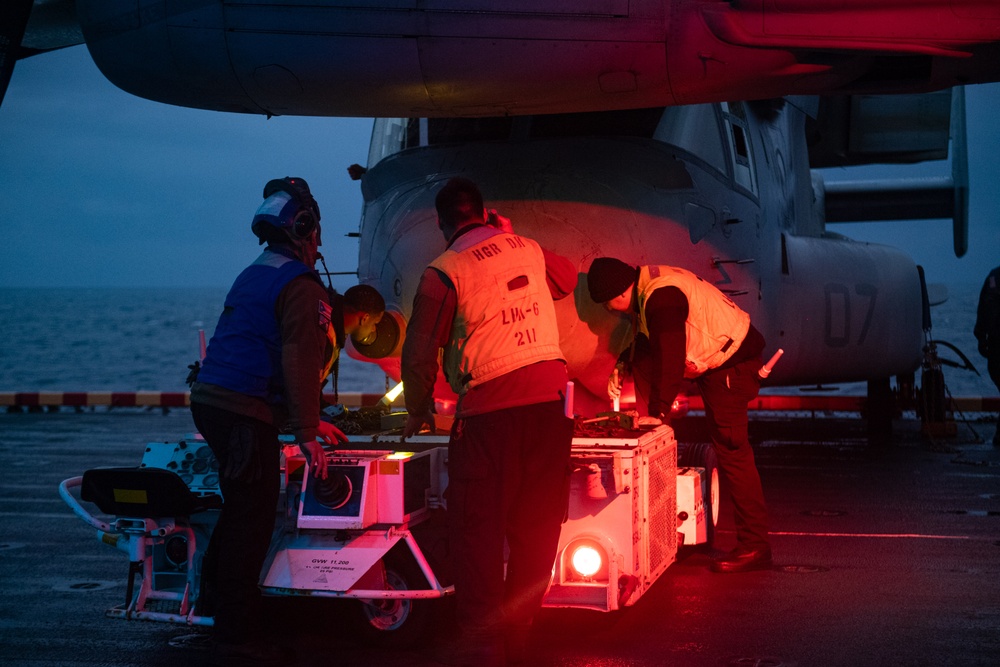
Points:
x=297 y=188
x=303 y=224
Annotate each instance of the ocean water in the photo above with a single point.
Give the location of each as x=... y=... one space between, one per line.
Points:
x=118 y=340
x=144 y=339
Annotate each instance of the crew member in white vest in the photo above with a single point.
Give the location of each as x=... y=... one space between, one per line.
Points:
x=685 y=328
x=487 y=301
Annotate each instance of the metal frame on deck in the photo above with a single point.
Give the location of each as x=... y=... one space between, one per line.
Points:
x=137 y=536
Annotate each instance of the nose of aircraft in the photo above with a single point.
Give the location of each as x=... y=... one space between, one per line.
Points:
x=595 y=207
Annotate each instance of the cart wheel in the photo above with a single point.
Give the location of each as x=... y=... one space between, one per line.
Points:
x=702 y=455
x=395 y=623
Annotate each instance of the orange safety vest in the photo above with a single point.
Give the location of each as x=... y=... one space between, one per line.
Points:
x=505 y=317
x=715 y=326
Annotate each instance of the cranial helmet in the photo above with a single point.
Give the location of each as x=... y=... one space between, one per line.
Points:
x=288 y=206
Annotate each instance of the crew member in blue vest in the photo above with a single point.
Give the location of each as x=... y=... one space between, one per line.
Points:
x=696 y=332
x=262 y=374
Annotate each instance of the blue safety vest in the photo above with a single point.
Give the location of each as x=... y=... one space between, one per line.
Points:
x=244 y=354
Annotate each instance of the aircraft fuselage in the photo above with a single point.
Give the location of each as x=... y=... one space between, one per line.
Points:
x=722 y=190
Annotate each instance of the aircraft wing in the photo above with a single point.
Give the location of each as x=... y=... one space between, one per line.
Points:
x=479 y=58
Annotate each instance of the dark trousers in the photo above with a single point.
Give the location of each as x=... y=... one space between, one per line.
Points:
x=248 y=455
x=508 y=475
x=993 y=368
x=726 y=393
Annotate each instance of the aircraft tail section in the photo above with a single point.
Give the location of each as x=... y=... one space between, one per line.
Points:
x=881 y=129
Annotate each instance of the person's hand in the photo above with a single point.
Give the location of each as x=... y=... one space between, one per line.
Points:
x=330 y=433
x=615 y=383
x=415 y=422
x=500 y=222
x=316 y=456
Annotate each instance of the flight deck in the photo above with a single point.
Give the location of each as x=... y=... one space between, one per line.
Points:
x=883 y=556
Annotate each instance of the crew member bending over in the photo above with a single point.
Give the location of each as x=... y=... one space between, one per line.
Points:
x=696 y=332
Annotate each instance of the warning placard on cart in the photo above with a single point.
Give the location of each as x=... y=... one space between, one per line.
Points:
x=311 y=564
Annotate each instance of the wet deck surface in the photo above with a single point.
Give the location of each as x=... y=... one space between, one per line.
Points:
x=883 y=556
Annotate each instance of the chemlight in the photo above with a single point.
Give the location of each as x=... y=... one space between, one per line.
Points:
x=392 y=394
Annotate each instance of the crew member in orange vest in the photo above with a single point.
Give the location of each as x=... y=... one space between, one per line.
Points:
x=695 y=332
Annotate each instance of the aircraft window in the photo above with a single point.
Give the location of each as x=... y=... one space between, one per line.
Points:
x=391 y=135
x=457 y=130
x=743 y=169
x=627 y=123
x=740 y=142
x=696 y=129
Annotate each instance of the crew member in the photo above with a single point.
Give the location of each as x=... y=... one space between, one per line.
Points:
x=487 y=301
x=987 y=330
x=272 y=348
x=695 y=332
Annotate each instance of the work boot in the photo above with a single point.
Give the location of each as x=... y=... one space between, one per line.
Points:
x=742 y=559
x=206 y=603
x=516 y=643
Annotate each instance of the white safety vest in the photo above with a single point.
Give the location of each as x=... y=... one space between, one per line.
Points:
x=715 y=326
x=505 y=318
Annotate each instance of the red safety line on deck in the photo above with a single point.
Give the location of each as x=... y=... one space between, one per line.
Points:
x=178 y=399
x=121 y=399
x=130 y=399
x=773 y=402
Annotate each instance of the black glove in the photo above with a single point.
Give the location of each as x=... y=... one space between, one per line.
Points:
x=192 y=376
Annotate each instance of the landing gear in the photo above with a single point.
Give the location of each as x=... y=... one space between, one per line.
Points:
x=881 y=409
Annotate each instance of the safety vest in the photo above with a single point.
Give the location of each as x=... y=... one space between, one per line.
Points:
x=244 y=354
x=505 y=317
x=715 y=326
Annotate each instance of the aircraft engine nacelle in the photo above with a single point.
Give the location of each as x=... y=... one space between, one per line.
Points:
x=440 y=58
x=859 y=303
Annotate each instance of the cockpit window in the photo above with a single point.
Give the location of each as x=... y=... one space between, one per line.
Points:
x=716 y=134
x=734 y=114
x=696 y=129
x=392 y=135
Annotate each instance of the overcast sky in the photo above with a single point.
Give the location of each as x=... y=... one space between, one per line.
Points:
x=106 y=189
x=101 y=188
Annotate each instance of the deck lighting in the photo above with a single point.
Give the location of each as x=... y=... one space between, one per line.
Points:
x=586 y=561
